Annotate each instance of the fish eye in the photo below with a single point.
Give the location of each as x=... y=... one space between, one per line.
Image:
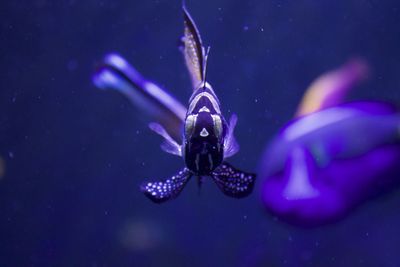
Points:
x=189 y=124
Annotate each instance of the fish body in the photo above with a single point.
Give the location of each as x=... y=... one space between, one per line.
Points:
x=204 y=134
x=207 y=137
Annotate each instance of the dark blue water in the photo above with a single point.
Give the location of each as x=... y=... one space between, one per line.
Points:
x=75 y=156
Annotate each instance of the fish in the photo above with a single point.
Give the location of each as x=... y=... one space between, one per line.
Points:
x=331 y=159
x=207 y=139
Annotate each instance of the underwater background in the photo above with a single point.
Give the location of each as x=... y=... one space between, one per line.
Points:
x=72 y=157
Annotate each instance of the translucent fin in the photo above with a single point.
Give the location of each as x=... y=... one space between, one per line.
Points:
x=233 y=182
x=193 y=50
x=231 y=147
x=299 y=170
x=164 y=190
x=169 y=145
x=331 y=88
x=117 y=74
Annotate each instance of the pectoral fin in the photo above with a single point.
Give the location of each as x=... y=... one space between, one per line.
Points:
x=231 y=147
x=169 y=145
x=233 y=182
x=164 y=190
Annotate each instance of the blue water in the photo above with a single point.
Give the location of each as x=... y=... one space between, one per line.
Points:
x=75 y=156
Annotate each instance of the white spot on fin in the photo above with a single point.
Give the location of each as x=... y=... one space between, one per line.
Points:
x=204 y=133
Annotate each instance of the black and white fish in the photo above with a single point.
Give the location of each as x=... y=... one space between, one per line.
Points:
x=207 y=139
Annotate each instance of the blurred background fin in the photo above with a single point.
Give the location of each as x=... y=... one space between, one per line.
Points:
x=117 y=74
x=332 y=88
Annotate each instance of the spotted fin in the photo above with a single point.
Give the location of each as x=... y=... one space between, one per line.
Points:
x=164 y=190
x=193 y=50
x=233 y=182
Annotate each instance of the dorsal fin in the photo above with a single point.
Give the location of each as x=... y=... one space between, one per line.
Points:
x=205 y=66
x=193 y=50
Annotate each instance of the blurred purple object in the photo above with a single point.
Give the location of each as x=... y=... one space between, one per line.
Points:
x=334 y=157
x=321 y=166
x=117 y=74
